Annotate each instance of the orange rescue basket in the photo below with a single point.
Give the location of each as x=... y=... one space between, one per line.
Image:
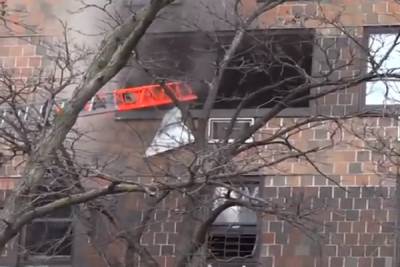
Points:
x=151 y=96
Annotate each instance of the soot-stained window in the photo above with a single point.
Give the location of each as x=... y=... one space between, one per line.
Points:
x=267 y=67
x=175 y=56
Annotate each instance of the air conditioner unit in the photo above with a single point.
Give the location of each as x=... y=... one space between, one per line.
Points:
x=217 y=128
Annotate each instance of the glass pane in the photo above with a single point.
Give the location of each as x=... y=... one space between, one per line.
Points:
x=220 y=128
x=383 y=93
x=49 y=238
x=380 y=45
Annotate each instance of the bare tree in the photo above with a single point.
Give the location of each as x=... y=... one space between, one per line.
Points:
x=209 y=178
x=111 y=57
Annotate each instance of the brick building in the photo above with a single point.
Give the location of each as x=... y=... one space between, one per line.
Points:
x=356 y=223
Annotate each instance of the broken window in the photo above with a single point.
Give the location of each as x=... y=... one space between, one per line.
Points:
x=267 y=68
x=385 y=55
x=174 y=56
x=233 y=235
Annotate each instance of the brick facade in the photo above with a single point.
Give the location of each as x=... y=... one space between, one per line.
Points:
x=356 y=228
x=20 y=58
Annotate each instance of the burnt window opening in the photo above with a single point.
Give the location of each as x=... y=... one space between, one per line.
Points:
x=233 y=235
x=52 y=234
x=263 y=60
x=173 y=56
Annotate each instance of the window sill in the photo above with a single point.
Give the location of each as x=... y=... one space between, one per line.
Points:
x=148 y=114
x=255 y=113
x=48 y=260
x=380 y=110
x=156 y=114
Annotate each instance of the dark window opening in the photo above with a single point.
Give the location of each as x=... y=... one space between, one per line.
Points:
x=266 y=60
x=50 y=235
x=49 y=238
x=172 y=57
x=267 y=67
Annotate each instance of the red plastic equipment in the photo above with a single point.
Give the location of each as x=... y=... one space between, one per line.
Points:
x=151 y=96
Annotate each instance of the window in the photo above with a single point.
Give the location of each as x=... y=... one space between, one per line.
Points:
x=171 y=56
x=266 y=68
x=384 y=47
x=218 y=127
x=233 y=235
x=51 y=235
x=265 y=58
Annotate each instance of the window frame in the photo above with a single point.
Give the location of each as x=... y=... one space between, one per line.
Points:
x=260 y=112
x=364 y=107
x=39 y=258
x=212 y=140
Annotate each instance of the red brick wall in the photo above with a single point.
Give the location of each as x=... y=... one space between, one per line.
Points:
x=20 y=57
x=355 y=224
x=355 y=228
